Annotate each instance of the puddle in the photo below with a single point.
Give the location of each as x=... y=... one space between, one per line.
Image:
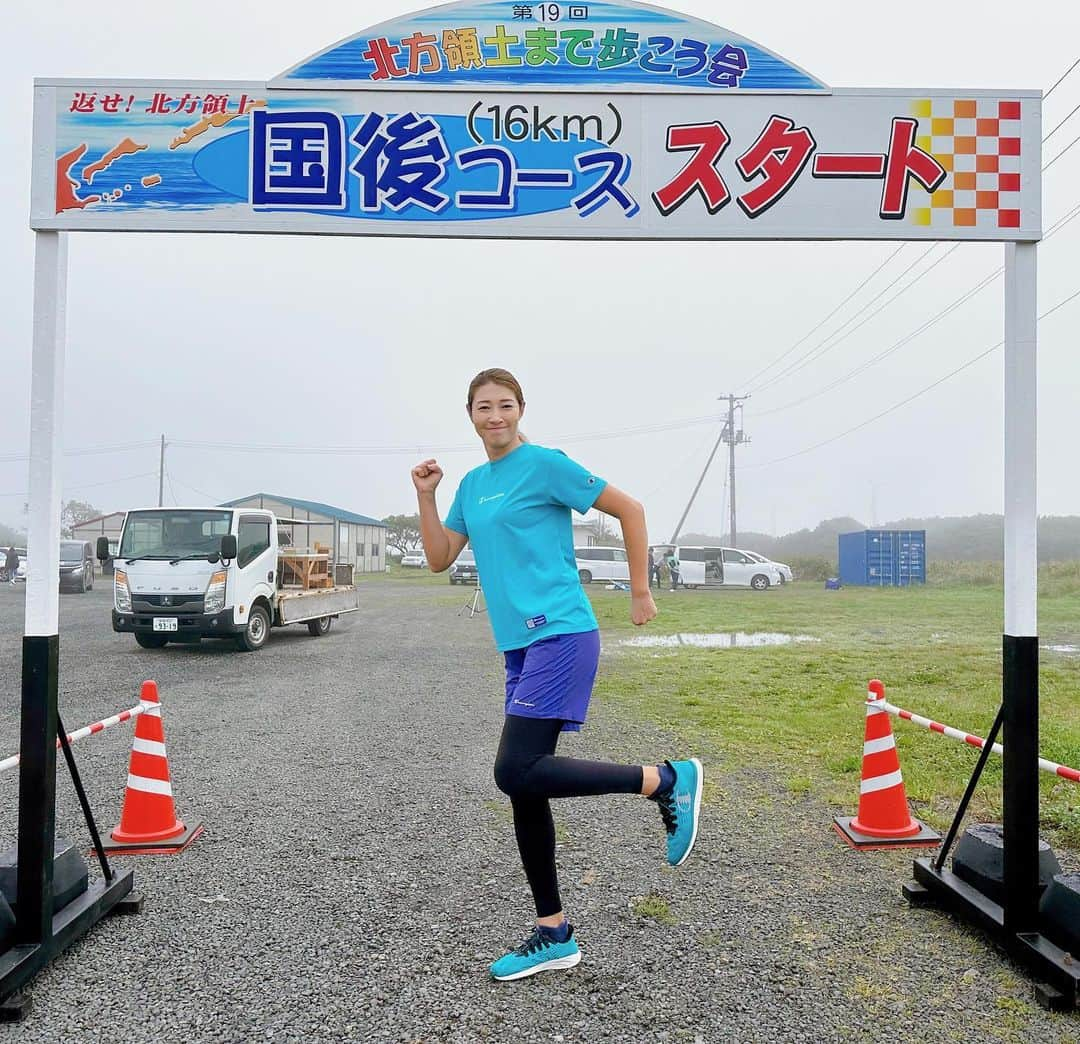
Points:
x=731 y=640
x=1067 y=650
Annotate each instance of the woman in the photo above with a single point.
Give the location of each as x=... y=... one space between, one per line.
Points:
x=515 y=512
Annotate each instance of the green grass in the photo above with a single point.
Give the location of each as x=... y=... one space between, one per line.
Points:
x=396 y=572
x=654 y=907
x=796 y=711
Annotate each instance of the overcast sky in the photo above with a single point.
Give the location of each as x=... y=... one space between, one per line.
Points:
x=351 y=342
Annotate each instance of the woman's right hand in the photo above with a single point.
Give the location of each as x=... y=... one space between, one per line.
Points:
x=426 y=476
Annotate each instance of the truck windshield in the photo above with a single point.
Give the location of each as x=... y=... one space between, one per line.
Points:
x=173 y=534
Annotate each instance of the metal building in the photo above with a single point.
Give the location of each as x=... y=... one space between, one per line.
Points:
x=355 y=540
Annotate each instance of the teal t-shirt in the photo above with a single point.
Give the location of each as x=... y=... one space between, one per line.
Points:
x=516 y=513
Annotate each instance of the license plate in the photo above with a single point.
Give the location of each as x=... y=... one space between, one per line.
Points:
x=165 y=623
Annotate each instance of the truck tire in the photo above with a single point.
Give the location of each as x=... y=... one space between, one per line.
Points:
x=151 y=641
x=253 y=637
x=760 y=582
x=584 y=576
x=317 y=628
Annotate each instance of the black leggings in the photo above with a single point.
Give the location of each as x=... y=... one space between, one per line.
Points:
x=527 y=770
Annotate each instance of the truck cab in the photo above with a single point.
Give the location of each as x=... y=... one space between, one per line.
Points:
x=184 y=574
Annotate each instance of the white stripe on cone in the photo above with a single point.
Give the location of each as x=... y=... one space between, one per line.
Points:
x=876 y=746
x=890 y=779
x=150 y=786
x=145 y=746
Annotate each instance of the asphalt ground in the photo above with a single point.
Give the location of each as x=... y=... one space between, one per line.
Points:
x=358 y=870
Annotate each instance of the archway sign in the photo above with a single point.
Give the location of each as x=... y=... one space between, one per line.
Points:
x=598 y=120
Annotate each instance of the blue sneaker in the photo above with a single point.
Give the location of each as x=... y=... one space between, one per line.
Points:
x=680 y=808
x=538 y=953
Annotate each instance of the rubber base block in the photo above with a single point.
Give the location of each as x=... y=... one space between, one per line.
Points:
x=925 y=838
x=174 y=846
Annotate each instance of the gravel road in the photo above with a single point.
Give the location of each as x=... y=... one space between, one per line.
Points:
x=358 y=869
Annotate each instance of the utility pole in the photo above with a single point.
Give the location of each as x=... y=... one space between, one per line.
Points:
x=161 y=475
x=733 y=437
x=729 y=435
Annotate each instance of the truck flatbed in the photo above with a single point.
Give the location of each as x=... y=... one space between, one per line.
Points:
x=295 y=605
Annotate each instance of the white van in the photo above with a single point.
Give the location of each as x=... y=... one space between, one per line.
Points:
x=601 y=563
x=722 y=567
x=786 y=575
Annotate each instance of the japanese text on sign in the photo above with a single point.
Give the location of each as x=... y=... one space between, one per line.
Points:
x=506 y=47
x=299 y=160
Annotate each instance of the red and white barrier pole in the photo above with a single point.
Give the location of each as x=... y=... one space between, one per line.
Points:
x=1052 y=767
x=90 y=730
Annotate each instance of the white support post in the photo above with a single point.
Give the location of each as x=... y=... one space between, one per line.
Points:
x=46 y=434
x=1021 y=318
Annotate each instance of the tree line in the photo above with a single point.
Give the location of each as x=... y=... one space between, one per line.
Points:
x=966 y=538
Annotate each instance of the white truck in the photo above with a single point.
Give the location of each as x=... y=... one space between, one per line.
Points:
x=184 y=574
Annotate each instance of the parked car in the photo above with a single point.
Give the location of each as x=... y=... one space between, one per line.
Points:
x=463 y=571
x=786 y=575
x=414 y=559
x=601 y=563
x=76 y=566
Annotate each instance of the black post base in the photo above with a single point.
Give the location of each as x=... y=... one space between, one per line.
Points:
x=19 y=964
x=16 y=1007
x=1056 y=972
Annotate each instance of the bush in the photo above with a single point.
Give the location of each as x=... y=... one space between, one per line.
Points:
x=1055 y=578
x=968 y=574
x=811 y=567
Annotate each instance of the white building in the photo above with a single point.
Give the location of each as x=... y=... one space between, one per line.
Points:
x=588 y=530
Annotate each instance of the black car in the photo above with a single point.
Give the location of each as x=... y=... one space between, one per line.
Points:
x=463 y=571
x=76 y=565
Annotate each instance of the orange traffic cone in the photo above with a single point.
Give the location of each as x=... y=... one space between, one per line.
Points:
x=148 y=822
x=883 y=819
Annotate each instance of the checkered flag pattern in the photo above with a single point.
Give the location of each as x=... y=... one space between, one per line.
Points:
x=978 y=142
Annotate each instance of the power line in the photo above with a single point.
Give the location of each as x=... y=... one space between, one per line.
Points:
x=896 y=346
x=933 y=321
x=92 y=485
x=672 y=472
x=89 y=451
x=1060 y=78
x=807 y=356
x=1074 y=111
x=1061 y=153
x=208 y=497
x=911 y=398
x=814 y=354
x=172 y=491
x=391 y=450
x=813 y=330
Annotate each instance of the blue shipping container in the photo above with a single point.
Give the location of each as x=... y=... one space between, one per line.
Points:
x=883 y=557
